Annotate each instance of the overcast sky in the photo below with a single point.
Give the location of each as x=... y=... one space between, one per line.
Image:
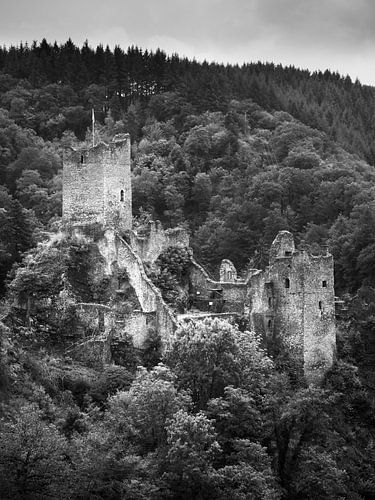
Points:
x=313 y=34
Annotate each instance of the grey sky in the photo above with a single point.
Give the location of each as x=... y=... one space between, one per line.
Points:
x=313 y=34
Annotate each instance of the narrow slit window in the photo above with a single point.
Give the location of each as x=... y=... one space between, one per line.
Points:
x=270 y=301
x=122 y=195
x=82 y=159
x=324 y=284
x=287 y=283
x=270 y=323
x=320 y=304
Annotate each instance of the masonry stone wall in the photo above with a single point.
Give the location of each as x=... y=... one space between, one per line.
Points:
x=200 y=282
x=227 y=271
x=96 y=184
x=136 y=324
x=149 y=247
x=303 y=305
x=119 y=254
x=257 y=306
x=319 y=317
x=232 y=293
x=290 y=304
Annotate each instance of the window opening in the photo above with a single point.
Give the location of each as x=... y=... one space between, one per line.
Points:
x=270 y=301
x=288 y=253
x=324 y=284
x=270 y=323
x=122 y=195
x=287 y=283
x=82 y=158
x=320 y=304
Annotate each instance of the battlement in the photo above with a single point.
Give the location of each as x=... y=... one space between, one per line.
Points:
x=97 y=185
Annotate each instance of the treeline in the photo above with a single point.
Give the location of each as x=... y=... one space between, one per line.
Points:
x=327 y=101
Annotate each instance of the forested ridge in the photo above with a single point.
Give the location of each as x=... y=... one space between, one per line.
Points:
x=234 y=154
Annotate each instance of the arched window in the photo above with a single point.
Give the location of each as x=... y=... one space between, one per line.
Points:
x=122 y=195
x=287 y=283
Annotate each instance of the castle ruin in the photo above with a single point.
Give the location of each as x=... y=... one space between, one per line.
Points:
x=290 y=303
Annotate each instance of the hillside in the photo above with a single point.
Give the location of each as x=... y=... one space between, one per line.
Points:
x=234 y=154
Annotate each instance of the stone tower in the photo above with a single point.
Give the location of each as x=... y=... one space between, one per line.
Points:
x=300 y=305
x=97 y=185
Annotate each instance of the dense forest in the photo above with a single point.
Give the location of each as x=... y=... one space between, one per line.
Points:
x=234 y=154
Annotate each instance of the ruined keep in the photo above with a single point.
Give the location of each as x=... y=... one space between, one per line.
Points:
x=290 y=304
x=97 y=186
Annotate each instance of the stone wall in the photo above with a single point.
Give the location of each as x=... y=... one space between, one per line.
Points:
x=97 y=186
x=203 y=289
x=303 y=305
x=257 y=306
x=227 y=271
x=319 y=317
x=119 y=254
x=149 y=247
x=136 y=324
x=234 y=295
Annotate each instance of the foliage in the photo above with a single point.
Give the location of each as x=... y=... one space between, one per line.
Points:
x=33 y=463
x=203 y=357
x=234 y=154
x=150 y=402
x=192 y=447
x=151 y=349
x=170 y=274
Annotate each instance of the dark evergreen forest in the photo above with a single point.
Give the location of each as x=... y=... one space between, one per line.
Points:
x=234 y=154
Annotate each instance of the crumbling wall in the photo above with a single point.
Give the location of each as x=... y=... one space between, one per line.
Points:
x=228 y=272
x=291 y=304
x=200 y=281
x=117 y=251
x=286 y=275
x=149 y=247
x=303 y=287
x=282 y=246
x=234 y=295
x=256 y=305
x=319 y=317
x=136 y=324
